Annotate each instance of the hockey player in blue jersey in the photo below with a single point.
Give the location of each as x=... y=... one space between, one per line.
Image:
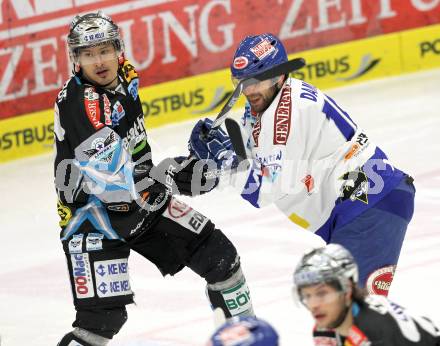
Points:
x=313 y=162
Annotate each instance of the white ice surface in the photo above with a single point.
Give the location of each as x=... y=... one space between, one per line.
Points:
x=401 y=114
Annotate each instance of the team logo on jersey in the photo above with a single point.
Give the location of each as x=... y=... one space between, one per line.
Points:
x=118 y=113
x=107 y=111
x=262 y=49
x=355 y=186
x=103 y=149
x=379 y=281
x=282 y=117
x=91 y=104
x=65 y=214
x=240 y=62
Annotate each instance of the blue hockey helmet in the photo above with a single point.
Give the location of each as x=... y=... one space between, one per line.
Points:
x=245 y=331
x=256 y=54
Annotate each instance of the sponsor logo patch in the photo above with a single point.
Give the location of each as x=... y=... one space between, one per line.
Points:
x=237 y=298
x=91 y=104
x=358 y=147
x=309 y=182
x=112 y=278
x=118 y=113
x=356 y=337
x=380 y=280
x=133 y=88
x=185 y=216
x=270 y=165
x=135 y=134
x=263 y=49
x=107 y=111
x=256 y=131
x=282 y=117
x=94 y=37
x=82 y=276
x=324 y=341
x=235 y=335
x=94 y=241
x=240 y=62
x=123 y=207
x=75 y=244
x=178 y=209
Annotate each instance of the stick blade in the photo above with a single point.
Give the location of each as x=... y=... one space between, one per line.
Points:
x=234 y=133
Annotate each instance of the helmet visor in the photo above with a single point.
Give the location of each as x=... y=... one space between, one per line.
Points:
x=318 y=294
x=255 y=85
x=103 y=52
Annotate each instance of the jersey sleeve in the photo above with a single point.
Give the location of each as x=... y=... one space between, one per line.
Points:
x=67 y=177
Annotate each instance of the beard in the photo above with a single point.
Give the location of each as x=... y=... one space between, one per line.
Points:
x=265 y=100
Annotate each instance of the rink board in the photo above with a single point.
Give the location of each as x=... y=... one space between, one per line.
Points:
x=203 y=95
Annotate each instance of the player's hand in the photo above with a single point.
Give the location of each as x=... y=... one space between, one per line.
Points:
x=215 y=147
x=185 y=176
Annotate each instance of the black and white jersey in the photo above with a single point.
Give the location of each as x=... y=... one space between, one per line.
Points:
x=100 y=143
x=381 y=322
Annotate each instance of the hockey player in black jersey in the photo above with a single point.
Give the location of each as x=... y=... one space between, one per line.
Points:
x=112 y=199
x=326 y=283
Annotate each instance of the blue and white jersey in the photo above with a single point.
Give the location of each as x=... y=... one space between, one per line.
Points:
x=309 y=158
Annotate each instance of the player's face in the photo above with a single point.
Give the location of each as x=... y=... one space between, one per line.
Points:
x=99 y=64
x=261 y=95
x=325 y=303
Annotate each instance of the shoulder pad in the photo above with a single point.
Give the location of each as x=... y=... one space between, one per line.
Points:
x=129 y=72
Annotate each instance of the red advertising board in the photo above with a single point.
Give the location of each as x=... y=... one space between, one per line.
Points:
x=169 y=40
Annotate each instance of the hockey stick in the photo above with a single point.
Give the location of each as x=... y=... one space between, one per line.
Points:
x=236 y=138
x=278 y=70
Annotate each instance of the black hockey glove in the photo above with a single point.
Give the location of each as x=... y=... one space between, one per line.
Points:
x=185 y=176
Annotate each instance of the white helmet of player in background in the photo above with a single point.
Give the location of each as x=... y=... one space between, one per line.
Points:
x=330 y=264
x=90 y=30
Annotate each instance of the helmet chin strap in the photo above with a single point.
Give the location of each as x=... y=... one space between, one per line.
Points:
x=277 y=90
x=341 y=317
x=107 y=84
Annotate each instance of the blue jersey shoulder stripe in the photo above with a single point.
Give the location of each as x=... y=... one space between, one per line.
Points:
x=340 y=118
